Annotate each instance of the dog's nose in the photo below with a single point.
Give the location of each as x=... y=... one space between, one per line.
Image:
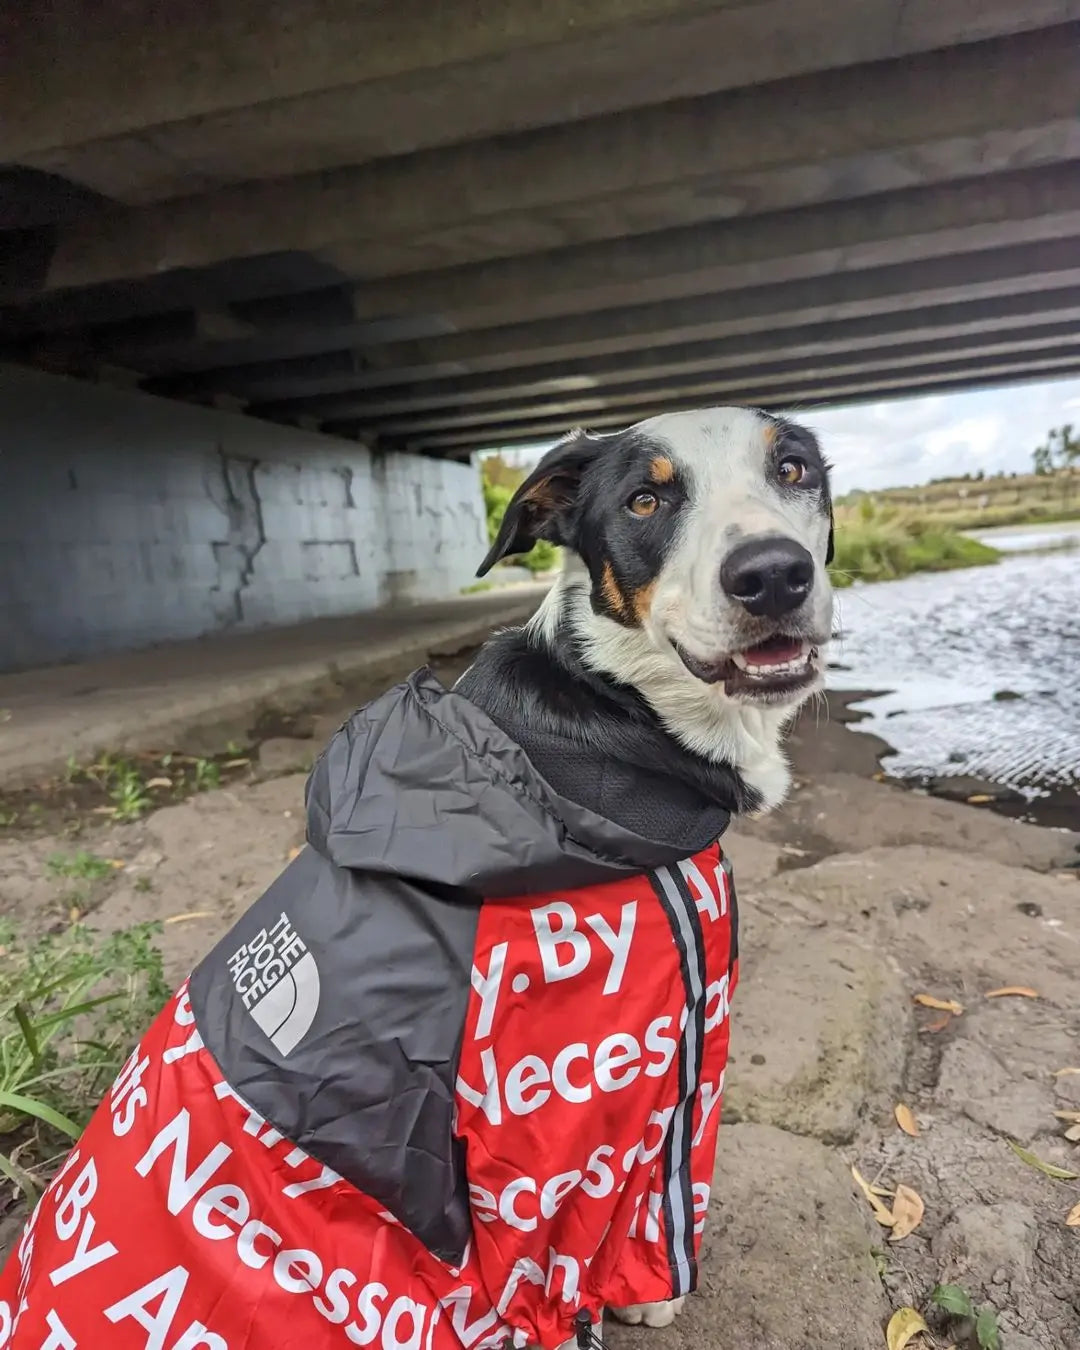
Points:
x=768 y=577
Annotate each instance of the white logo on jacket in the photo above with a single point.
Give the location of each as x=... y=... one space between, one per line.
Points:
x=278 y=982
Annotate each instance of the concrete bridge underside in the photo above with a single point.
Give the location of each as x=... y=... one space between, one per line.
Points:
x=437 y=227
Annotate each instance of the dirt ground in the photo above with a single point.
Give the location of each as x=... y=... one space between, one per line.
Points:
x=856 y=897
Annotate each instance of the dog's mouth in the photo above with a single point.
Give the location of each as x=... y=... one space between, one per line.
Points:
x=778 y=666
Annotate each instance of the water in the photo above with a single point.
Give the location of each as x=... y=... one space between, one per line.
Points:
x=944 y=644
x=1031 y=538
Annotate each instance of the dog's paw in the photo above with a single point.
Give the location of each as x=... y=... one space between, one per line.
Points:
x=650 y=1314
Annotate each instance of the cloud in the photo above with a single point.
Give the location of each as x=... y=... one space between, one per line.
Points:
x=909 y=441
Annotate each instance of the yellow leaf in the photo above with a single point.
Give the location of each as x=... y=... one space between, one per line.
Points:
x=1016 y=990
x=908 y=1210
x=941 y=1004
x=1062 y=1073
x=295 y=852
x=1073 y=1116
x=1072 y=1219
x=118 y=863
x=903 y=1325
x=192 y=914
x=979 y=799
x=160 y=782
x=905 y=1118
x=74 y=914
x=881 y=1212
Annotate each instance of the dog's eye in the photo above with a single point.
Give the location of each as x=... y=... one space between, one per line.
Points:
x=643 y=503
x=791 y=471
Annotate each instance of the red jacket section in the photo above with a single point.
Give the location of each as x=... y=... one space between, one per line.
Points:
x=588 y=1101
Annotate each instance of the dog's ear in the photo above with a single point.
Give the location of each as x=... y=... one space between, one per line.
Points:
x=542 y=505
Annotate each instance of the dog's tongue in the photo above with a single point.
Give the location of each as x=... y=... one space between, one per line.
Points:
x=773 y=652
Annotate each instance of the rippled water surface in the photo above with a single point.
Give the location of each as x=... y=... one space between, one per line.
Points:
x=944 y=644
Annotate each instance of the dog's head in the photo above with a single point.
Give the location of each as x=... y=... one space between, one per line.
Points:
x=705 y=536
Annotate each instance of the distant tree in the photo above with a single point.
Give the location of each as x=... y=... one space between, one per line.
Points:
x=1061 y=450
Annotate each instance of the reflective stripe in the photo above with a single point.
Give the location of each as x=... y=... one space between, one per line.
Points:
x=678 y=1182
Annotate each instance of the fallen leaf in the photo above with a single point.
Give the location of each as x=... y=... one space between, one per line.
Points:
x=236 y=763
x=905 y=1118
x=1061 y=1073
x=1058 y=1173
x=103 y=811
x=907 y=1211
x=979 y=799
x=118 y=863
x=1016 y=990
x=937 y=1024
x=948 y=1005
x=881 y=1212
x=160 y=782
x=986 y=1330
x=1072 y=1219
x=903 y=1325
x=1072 y=1134
x=74 y=914
x=295 y=852
x=951 y=1298
x=192 y=914
x=1072 y=1116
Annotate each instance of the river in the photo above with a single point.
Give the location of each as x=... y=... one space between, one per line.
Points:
x=979 y=671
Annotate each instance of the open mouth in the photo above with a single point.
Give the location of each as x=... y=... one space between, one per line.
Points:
x=777 y=666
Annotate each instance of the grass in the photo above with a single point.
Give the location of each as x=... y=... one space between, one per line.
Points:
x=71 y=1007
x=85 y=866
x=880 y=544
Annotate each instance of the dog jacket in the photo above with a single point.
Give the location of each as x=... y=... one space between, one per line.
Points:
x=453 y=1081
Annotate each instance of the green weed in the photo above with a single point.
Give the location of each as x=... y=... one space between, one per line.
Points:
x=207 y=775
x=85 y=866
x=71 y=1006
x=127 y=793
x=981 y=1323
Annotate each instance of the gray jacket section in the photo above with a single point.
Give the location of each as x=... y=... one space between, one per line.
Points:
x=335 y=1007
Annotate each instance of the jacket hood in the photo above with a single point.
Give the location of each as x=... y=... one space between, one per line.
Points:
x=422 y=784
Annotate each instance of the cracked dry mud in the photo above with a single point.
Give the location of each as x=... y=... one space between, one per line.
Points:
x=854 y=897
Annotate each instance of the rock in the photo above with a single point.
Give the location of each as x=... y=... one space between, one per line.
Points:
x=287 y=754
x=988 y=1245
x=819 y=1025
x=975 y=1082
x=754 y=861
x=962 y=787
x=786 y=1255
x=845 y=813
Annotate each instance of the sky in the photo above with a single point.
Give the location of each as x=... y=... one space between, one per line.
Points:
x=909 y=441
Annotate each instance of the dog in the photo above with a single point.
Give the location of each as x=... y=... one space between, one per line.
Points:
x=695 y=584
x=454 y=1079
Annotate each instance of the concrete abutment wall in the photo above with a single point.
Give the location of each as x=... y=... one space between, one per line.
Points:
x=127 y=520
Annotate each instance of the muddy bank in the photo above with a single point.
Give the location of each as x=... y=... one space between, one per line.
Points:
x=856 y=896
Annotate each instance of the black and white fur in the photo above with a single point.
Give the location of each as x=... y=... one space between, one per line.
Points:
x=654 y=646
